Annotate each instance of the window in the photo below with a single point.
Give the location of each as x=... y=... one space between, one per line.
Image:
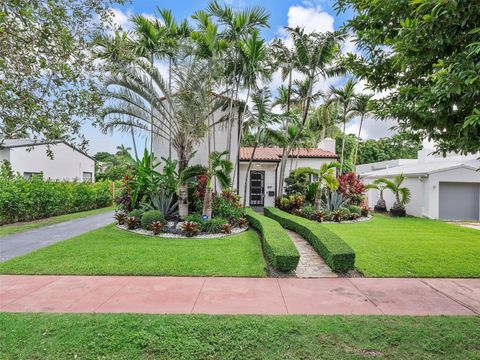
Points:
x=313 y=178
x=29 y=175
x=87 y=176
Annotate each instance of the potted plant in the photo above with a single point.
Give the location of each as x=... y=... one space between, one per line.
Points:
x=402 y=195
x=380 y=185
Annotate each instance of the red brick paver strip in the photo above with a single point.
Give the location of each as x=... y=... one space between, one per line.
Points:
x=185 y=295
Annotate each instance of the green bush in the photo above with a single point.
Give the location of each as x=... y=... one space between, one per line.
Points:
x=149 y=217
x=336 y=253
x=279 y=249
x=32 y=199
x=354 y=209
x=346 y=212
x=308 y=212
x=214 y=225
x=137 y=214
x=225 y=208
x=194 y=217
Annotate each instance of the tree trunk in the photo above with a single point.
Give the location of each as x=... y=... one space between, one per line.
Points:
x=134 y=143
x=318 y=198
x=343 y=138
x=207 y=202
x=170 y=91
x=289 y=93
x=151 y=114
x=237 y=163
x=248 y=170
x=183 y=188
x=230 y=110
x=358 y=140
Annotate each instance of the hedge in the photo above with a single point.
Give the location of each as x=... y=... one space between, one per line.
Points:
x=280 y=251
x=336 y=252
x=31 y=199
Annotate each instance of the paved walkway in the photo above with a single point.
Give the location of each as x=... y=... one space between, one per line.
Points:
x=184 y=295
x=25 y=242
x=311 y=265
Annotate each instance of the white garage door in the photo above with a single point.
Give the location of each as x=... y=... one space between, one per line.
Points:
x=459 y=201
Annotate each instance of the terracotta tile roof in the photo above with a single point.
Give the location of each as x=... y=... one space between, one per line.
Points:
x=275 y=153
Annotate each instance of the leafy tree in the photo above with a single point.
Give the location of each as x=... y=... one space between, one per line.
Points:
x=48 y=85
x=399 y=146
x=361 y=107
x=427 y=55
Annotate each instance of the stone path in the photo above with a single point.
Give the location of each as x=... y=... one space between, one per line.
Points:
x=185 y=295
x=311 y=265
x=27 y=241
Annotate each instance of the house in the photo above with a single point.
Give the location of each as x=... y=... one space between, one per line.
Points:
x=28 y=157
x=441 y=187
x=263 y=180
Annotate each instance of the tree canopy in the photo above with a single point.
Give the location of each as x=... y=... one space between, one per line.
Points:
x=426 y=55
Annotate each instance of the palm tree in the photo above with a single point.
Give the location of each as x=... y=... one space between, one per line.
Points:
x=361 y=107
x=219 y=169
x=322 y=123
x=315 y=53
x=344 y=97
x=122 y=150
x=326 y=179
x=258 y=118
x=237 y=26
x=402 y=195
x=380 y=185
x=284 y=58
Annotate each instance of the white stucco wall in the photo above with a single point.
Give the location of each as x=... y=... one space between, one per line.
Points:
x=4 y=154
x=67 y=163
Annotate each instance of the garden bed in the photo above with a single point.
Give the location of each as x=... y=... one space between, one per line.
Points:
x=177 y=234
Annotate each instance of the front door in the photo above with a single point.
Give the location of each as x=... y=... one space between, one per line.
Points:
x=257 y=188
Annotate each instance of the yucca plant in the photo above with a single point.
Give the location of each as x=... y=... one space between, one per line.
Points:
x=402 y=195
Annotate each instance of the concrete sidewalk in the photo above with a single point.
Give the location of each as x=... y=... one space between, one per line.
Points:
x=184 y=295
x=24 y=242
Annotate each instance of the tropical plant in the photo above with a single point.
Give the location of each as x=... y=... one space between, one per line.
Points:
x=131 y=222
x=165 y=203
x=226 y=229
x=121 y=218
x=325 y=178
x=402 y=194
x=156 y=227
x=362 y=106
x=219 y=169
x=190 y=228
x=351 y=186
x=380 y=185
x=344 y=97
x=145 y=180
x=334 y=201
x=149 y=217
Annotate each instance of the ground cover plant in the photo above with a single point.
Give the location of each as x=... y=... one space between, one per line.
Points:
x=111 y=251
x=31 y=199
x=136 y=336
x=412 y=247
x=20 y=227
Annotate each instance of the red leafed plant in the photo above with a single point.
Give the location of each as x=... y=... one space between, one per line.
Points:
x=350 y=186
x=190 y=228
x=226 y=229
x=199 y=192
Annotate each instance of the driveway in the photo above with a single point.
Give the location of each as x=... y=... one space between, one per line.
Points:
x=25 y=242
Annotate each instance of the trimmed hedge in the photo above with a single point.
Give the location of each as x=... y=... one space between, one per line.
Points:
x=280 y=251
x=32 y=199
x=336 y=252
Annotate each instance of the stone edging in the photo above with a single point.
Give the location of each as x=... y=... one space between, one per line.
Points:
x=141 y=231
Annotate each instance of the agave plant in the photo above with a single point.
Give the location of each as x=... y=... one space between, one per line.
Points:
x=166 y=204
x=334 y=201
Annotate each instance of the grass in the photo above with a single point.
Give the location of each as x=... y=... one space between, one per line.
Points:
x=412 y=247
x=134 y=336
x=110 y=251
x=24 y=226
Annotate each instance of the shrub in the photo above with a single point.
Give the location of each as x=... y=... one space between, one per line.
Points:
x=195 y=218
x=190 y=228
x=289 y=203
x=308 y=212
x=226 y=229
x=242 y=222
x=137 y=214
x=151 y=216
x=350 y=186
x=346 y=212
x=131 y=222
x=121 y=218
x=279 y=249
x=227 y=208
x=31 y=199
x=365 y=210
x=336 y=253
x=354 y=209
x=319 y=215
x=156 y=227
x=337 y=215
x=214 y=225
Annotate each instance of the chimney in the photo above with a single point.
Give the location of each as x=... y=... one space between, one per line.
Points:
x=327 y=144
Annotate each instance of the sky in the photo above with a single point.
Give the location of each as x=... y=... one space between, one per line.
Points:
x=313 y=15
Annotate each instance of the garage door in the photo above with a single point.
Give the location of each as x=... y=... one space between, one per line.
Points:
x=459 y=201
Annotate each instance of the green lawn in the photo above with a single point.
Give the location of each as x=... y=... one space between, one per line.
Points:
x=24 y=226
x=110 y=251
x=412 y=247
x=133 y=336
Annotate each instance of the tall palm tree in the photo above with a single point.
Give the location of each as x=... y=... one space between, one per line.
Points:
x=220 y=169
x=322 y=122
x=344 y=97
x=284 y=59
x=258 y=118
x=326 y=178
x=315 y=53
x=362 y=106
x=237 y=25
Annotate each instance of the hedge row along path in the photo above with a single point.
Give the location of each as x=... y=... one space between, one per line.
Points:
x=213 y=295
x=311 y=265
x=22 y=243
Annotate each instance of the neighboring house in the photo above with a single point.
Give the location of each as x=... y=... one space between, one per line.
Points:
x=28 y=158
x=441 y=188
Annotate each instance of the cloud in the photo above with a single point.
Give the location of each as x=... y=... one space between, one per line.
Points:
x=312 y=18
x=371 y=128
x=121 y=19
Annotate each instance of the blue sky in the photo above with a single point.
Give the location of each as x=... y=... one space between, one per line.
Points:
x=314 y=15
